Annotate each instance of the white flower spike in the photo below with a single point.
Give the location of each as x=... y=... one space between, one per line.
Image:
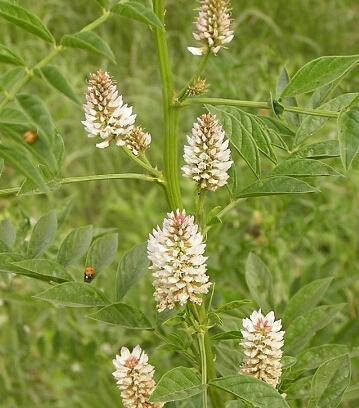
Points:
x=207 y=154
x=178 y=262
x=214 y=27
x=106 y=114
x=135 y=378
x=262 y=344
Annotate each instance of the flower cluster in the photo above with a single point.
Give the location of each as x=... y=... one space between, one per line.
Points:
x=107 y=116
x=214 y=27
x=135 y=378
x=262 y=343
x=178 y=264
x=207 y=155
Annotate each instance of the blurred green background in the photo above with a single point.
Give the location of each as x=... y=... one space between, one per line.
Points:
x=57 y=357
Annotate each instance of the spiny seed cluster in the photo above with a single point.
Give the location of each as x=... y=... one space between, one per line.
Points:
x=262 y=344
x=135 y=378
x=106 y=114
x=178 y=264
x=198 y=87
x=137 y=141
x=207 y=155
x=213 y=27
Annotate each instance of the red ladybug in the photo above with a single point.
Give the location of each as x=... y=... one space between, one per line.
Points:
x=90 y=274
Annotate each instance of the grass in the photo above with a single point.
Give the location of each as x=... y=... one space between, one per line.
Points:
x=56 y=357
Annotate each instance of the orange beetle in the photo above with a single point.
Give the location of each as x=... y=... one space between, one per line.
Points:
x=90 y=274
x=31 y=137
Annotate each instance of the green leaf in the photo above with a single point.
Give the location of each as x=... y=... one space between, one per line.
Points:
x=9 y=57
x=229 y=335
x=348 y=135
x=250 y=389
x=75 y=245
x=259 y=281
x=306 y=299
x=282 y=83
x=304 y=327
x=102 y=3
x=312 y=124
x=235 y=304
x=35 y=109
x=321 y=150
x=177 y=384
x=315 y=356
x=299 y=389
x=7 y=232
x=102 y=252
x=241 y=137
x=19 y=159
x=1 y=166
x=137 y=11
x=122 y=315
x=304 y=168
x=288 y=362
x=89 y=41
x=46 y=269
x=11 y=116
x=132 y=267
x=10 y=77
x=43 y=235
x=55 y=78
x=74 y=294
x=277 y=185
x=330 y=382
x=319 y=72
x=27 y=21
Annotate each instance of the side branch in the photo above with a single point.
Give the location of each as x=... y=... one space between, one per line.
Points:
x=81 y=179
x=257 y=105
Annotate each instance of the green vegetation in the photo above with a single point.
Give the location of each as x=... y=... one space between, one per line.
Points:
x=54 y=356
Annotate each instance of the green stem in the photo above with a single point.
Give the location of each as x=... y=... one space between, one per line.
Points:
x=81 y=179
x=29 y=73
x=258 y=105
x=201 y=67
x=201 y=196
x=94 y=24
x=202 y=349
x=144 y=164
x=99 y=177
x=170 y=113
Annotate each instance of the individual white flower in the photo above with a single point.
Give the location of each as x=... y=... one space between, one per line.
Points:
x=135 y=378
x=207 y=155
x=214 y=27
x=106 y=114
x=178 y=264
x=137 y=141
x=262 y=344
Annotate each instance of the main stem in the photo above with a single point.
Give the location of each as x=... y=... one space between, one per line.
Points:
x=170 y=113
x=171 y=118
x=202 y=349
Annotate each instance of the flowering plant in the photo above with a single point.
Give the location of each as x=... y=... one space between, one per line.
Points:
x=277 y=364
